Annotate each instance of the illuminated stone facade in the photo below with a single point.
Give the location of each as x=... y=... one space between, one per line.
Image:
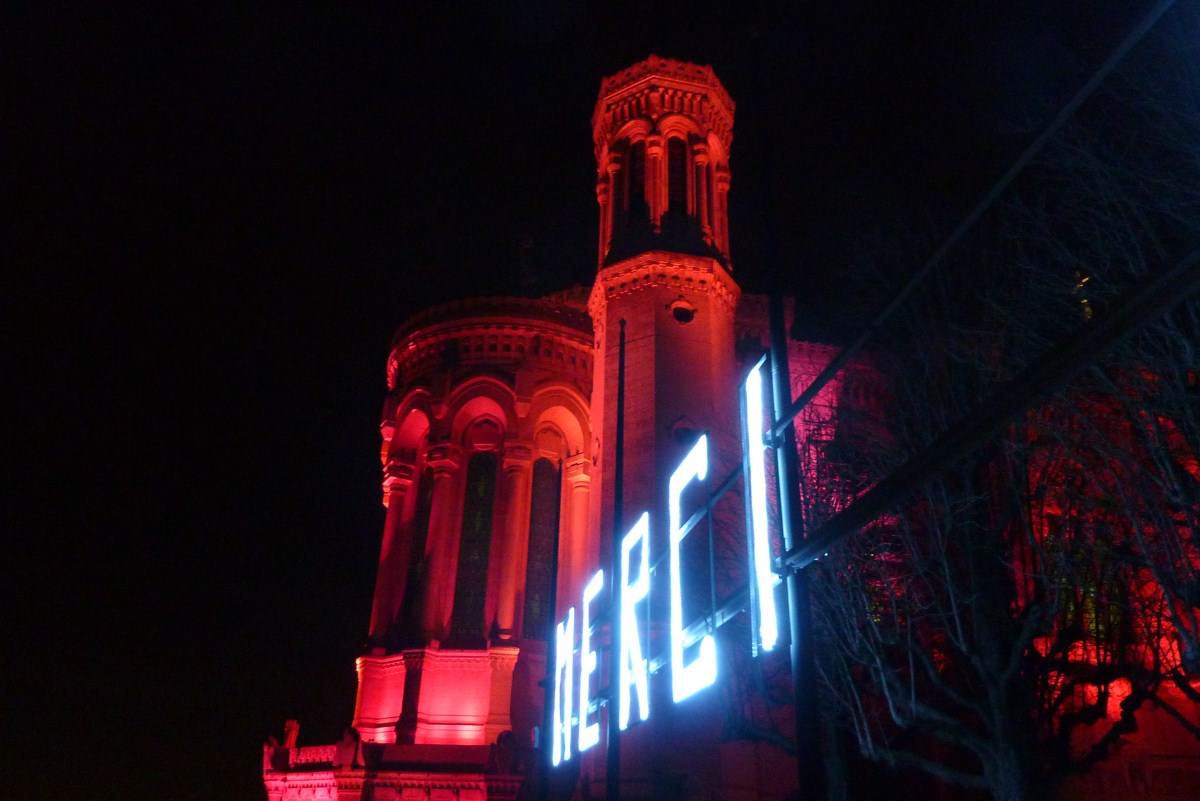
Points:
x=499 y=439
x=499 y=461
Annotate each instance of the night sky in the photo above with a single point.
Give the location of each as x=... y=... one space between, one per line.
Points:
x=218 y=218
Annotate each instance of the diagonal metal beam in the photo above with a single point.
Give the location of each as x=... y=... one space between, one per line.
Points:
x=1045 y=375
x=786 y=416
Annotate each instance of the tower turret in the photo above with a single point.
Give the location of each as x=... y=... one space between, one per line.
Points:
x=662 y=130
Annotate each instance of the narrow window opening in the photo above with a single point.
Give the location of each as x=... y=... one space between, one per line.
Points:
x=539 y=568
x=677 y=178
x=636 y=208
x=470 y=583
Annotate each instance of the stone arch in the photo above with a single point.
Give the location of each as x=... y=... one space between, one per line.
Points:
x=635 y=130
x=681 y=138
x=482 y=398
x=411 y=433
x=629 y=210
x=566 y=411
x=681 y=126
x=558 y=426
x=407 y=486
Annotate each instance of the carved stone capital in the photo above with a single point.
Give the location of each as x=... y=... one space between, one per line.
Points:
x=578 y=469
x=443 y=457
x=517 y=457
x=397 y=474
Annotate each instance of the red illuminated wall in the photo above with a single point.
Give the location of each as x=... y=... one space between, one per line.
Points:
x=499 y=433
x=499 y=436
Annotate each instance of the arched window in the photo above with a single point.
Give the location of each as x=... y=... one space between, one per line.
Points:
x=539 y=569
x=470 y=583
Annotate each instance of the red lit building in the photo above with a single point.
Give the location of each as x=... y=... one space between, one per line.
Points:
x=499 y=440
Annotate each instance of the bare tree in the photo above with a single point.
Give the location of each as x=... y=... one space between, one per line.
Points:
x=1007 y=625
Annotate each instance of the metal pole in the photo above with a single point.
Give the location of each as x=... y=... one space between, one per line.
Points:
x=551 y=642
x=612 y=779
x=809 y=764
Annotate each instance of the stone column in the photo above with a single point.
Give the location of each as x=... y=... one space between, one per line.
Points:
x=445 y=512
x=602 y=195
x=517 y=469
x=700 y=160
x=613 y=201
x=394 y=556
x=720 y=198
x=656 y=179
x=584 y=544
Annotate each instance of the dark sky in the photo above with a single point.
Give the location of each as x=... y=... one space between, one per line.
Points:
x=218 y=217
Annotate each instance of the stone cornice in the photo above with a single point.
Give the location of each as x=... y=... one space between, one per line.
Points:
x=659 y=268
x=524 y=313
x=679 y=80
x=422 y=342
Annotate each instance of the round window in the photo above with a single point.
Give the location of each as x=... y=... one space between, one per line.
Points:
x=683 y=312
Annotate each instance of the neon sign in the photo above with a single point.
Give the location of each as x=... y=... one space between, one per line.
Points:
x=589 y=733
x=687 y=680
x=634 y=668
x=762 y=578
x=632 y=586
x=564 y=649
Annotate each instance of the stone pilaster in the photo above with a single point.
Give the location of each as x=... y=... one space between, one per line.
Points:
x=516 y=476
x=395 y=553
x=444 y=516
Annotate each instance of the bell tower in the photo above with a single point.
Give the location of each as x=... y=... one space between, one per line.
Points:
x=662 y=131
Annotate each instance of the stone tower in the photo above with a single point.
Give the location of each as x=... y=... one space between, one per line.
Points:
x=662 y=131
x=486 y=446
x=499 y=443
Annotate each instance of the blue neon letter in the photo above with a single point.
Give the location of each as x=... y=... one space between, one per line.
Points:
x=760 y=559
x=589 y=733
x=686 y=680
x=564 y=651
x=633 y=665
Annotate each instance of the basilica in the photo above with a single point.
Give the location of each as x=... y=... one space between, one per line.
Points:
x=507 y=484
x=499 y=462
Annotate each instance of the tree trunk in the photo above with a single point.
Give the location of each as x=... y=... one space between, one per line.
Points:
x=1007 y=776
